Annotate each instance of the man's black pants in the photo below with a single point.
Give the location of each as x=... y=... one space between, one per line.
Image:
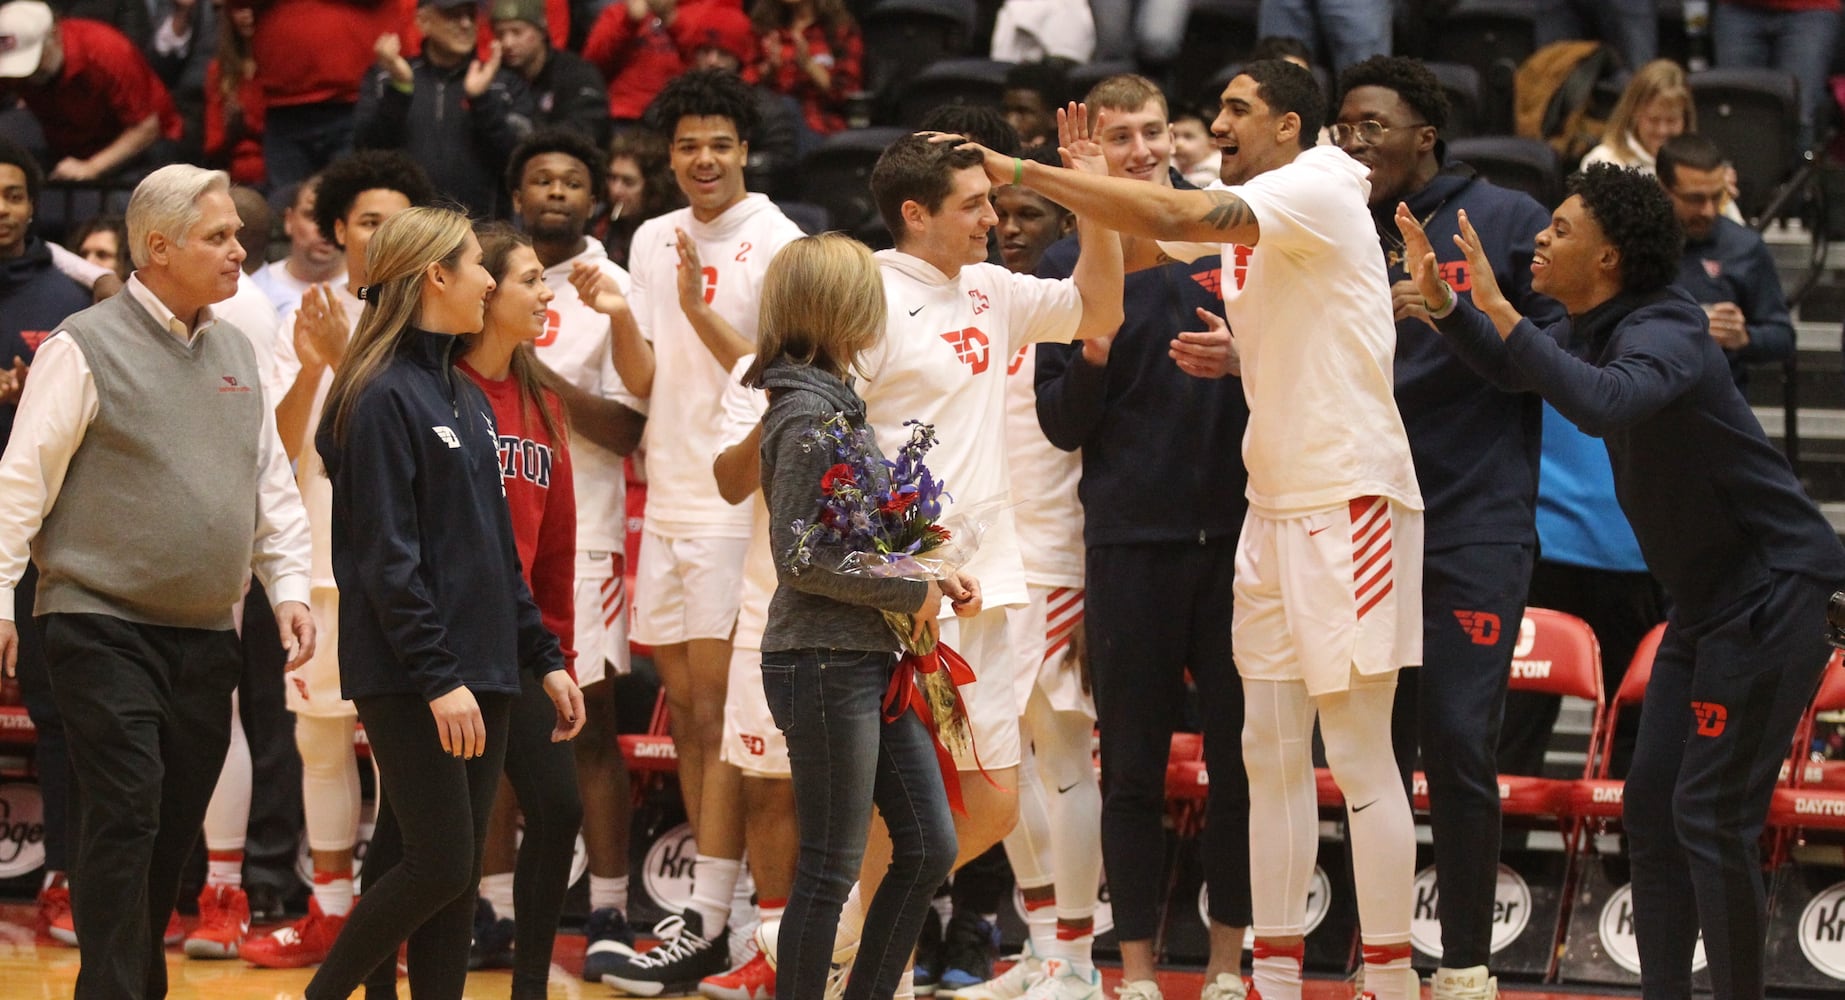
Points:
x=1719 y=716
x=147 y=713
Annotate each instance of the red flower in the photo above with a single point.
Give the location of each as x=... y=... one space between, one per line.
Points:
x=841 y=473
x=897 y=504
x=940 y=533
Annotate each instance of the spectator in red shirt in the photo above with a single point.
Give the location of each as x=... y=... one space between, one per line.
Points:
x=92 y=91
x=632 y=49
x=310 y=56
x=813 y=52
x=234 y=102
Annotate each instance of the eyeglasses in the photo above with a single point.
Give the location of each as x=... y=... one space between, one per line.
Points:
x=1367 y=133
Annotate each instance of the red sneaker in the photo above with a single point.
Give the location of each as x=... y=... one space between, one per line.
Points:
x=753 y=980
x=54 y=909
x=224 y=920
x=176 y=931
x=293 y=946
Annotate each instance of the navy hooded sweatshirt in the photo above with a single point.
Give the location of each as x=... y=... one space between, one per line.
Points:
x=1714 y=505
x=1162 y=450
x=1475 y=446
x=431 y=596
x=34 y=298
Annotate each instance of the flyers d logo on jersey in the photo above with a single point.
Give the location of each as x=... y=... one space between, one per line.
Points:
x=1481 y=626
x=970 y=347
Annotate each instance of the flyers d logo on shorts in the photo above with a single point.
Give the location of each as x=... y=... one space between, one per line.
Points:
x=970 y=347
x=753 y=744
x=1211 y=280
x=1712 y=717
x=1481 y=626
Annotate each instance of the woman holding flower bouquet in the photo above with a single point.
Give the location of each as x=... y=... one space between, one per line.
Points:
x=828 y=652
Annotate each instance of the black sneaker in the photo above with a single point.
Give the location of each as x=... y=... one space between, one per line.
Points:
x=493 y=939
x=684 y=957
x=928 y=953
x=608 y=943
x=970 y=946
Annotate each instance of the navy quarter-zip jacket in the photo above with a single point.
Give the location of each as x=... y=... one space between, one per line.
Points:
x=431 y=596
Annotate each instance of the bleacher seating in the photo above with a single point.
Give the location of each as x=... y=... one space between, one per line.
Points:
x=1513 y=162
x=952 y=81
x=1494 y=37
x=1752 y=115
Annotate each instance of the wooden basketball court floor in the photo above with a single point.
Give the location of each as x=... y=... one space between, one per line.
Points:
x=34 y=969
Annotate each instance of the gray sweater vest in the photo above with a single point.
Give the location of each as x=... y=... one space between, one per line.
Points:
x=157 y=516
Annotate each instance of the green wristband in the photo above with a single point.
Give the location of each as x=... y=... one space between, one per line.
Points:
x=1018 y=171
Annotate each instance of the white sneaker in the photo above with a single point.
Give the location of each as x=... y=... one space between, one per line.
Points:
x=1010 y=984
x=1139 y=989
x=1061 y=982
x=767 y=936
x=1464 y=984
x=1225 y=987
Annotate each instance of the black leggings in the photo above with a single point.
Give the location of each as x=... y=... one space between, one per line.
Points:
x=427 y=897
x=544 y=778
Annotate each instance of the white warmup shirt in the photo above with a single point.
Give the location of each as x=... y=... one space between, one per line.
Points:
x=947 y=345
x=575 y=345
x=743 y=408
x=316 y=488
x=683 y=415
x=1310 y=307
x=1044 y=477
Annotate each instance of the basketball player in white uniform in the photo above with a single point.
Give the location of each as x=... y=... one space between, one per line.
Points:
x=1328 y=580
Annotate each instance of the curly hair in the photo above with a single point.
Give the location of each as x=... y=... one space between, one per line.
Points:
x=16 y=155
x=555 y=140
x=705 y=93
x=1636 y=216
x=1286 y=88
x=1409 y=78
x=366 y=170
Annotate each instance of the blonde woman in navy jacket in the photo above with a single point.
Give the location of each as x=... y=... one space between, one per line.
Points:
x=436 y=621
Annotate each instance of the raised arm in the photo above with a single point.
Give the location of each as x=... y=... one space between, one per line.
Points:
x=633 y=355
x=1133 y=207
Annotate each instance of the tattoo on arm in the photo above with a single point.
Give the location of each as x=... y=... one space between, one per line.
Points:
x=1227 y=211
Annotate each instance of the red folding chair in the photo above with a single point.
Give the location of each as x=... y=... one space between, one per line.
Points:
x=1597 y=801
x=1814 y=797
x=652 y=752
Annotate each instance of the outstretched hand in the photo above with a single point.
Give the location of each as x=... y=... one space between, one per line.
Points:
x=597 y=290
x=1076 y=141
x=1419 y=258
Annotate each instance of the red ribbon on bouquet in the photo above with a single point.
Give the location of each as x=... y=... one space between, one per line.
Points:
x=903 y=695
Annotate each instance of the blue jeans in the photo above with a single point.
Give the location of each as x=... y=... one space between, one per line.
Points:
x=300 y=140
x=1631 y=27
x=828 y=704
x=1798 y=41
x=1350 y=31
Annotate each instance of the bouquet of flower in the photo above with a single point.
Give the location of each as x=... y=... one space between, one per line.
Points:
x=883 y=517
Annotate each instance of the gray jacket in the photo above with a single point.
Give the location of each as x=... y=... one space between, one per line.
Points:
x=814 y=606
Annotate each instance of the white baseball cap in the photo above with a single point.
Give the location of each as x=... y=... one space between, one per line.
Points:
x=23 y=27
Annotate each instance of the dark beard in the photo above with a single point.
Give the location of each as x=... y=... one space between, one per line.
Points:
x=555 y=232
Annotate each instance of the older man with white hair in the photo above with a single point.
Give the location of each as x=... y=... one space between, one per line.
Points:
x=145 y=478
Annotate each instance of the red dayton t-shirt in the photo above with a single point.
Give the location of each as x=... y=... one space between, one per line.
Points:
x=543 y=498
x=105 y=87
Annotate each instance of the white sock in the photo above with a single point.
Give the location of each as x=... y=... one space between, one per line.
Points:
x=497 y=890
x=714 y=879
x=333 y=893
x=224 y=868
x=1388 y=975
x=1276 y=975
x=608 y=893
x=1041 y=928
x=1078 y=951
x=851 y=921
